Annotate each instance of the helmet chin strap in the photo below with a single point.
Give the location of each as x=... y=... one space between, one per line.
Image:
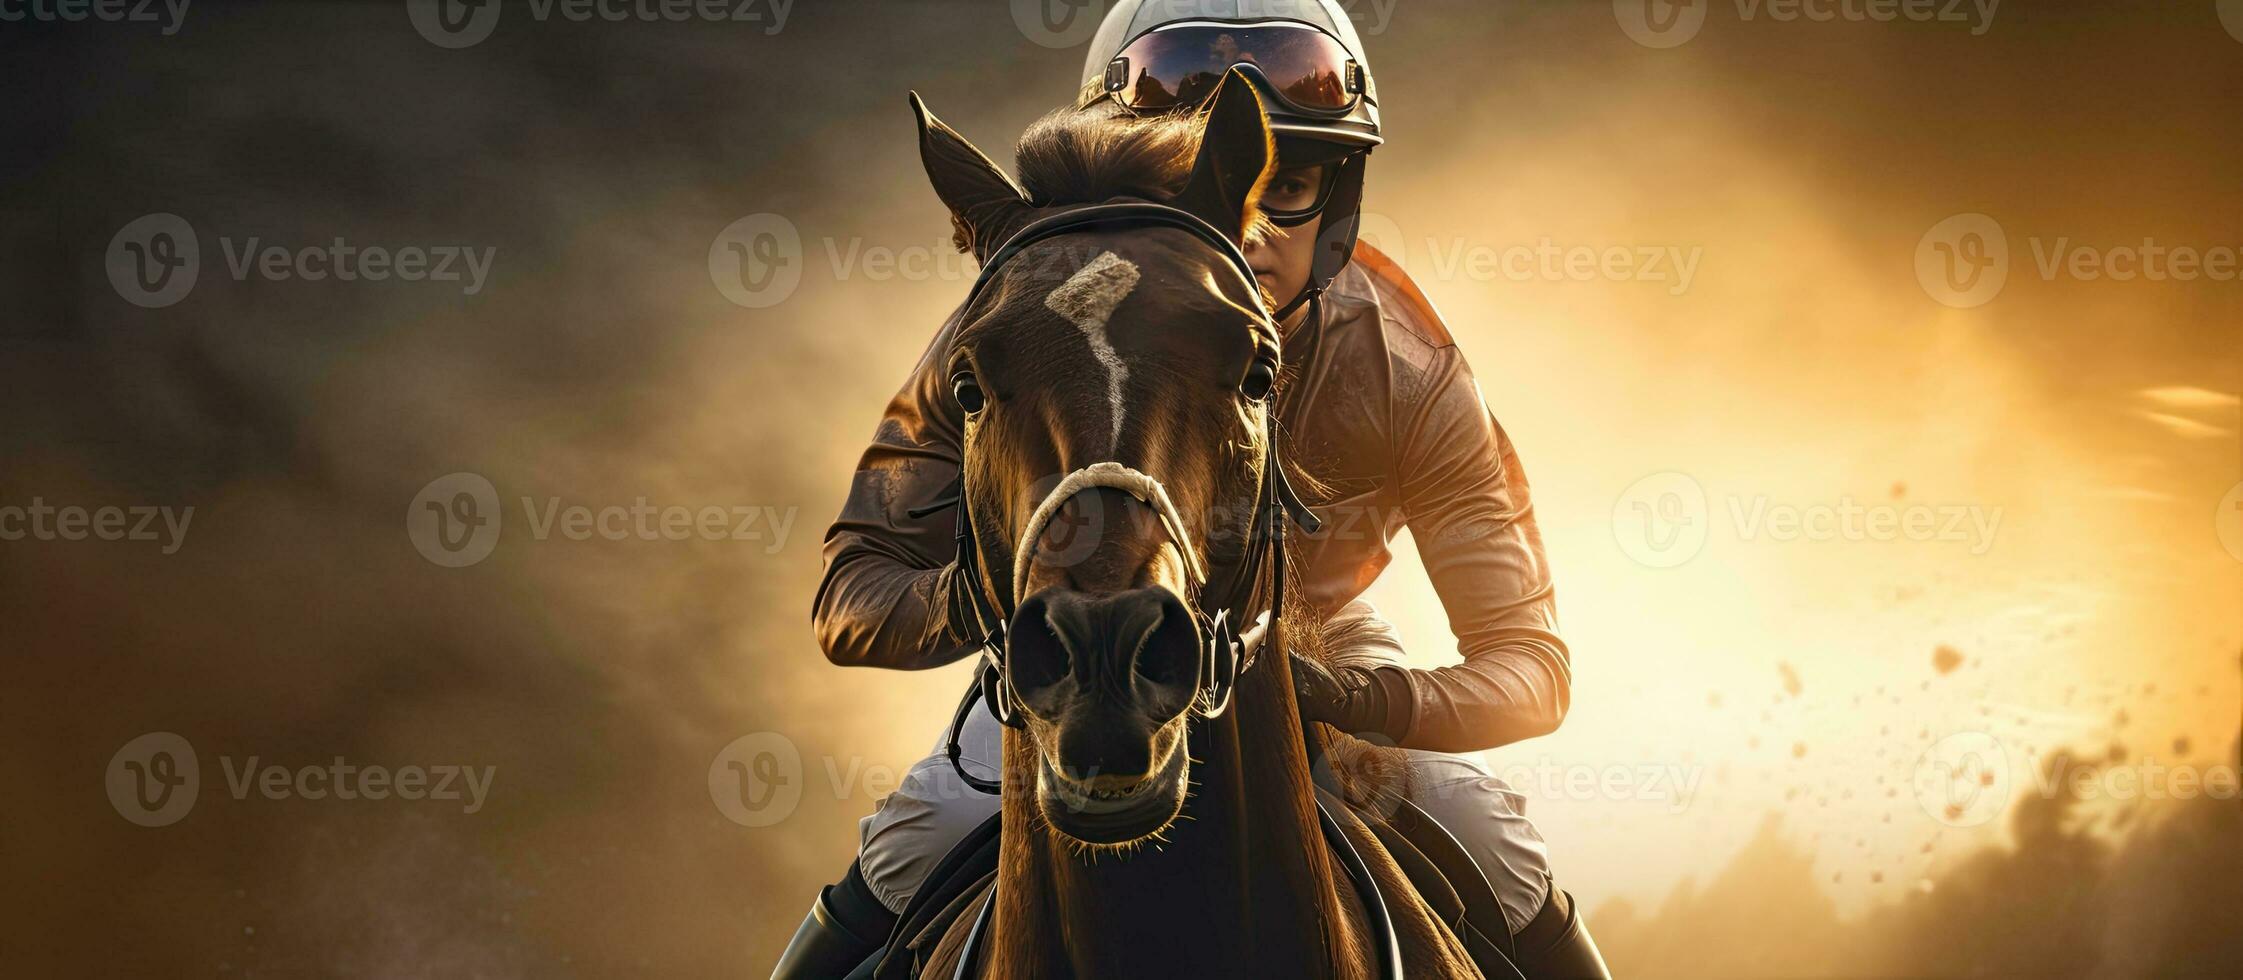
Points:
x=1313 y=296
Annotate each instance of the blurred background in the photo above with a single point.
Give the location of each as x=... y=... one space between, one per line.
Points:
x=1898 y=536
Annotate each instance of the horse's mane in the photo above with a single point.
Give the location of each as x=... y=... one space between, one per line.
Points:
x=1086 y=156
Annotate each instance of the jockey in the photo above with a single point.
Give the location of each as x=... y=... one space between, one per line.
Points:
x=1384 y=415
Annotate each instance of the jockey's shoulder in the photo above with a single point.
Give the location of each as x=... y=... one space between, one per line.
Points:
x=1403 y=309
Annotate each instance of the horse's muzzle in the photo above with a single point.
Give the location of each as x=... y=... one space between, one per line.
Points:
x=1107 y=681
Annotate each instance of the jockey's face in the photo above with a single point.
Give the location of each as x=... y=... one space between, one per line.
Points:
x=1282 y=262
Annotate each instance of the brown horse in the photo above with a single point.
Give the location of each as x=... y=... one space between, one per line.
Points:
x=1148 y=832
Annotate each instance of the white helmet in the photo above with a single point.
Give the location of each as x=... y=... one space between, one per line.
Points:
x=1303 y=55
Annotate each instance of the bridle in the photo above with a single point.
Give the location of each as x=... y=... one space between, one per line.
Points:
x=1223 y=656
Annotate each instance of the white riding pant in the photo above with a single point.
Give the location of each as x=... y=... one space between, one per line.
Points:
x=902 y=841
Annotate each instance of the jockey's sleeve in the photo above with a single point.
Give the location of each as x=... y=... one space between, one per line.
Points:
x=889 y=584
x=1466 y=501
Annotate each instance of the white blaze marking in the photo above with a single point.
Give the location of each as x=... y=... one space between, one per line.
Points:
x=1087 y=299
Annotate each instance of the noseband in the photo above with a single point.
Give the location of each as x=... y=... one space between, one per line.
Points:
x=1218 y=611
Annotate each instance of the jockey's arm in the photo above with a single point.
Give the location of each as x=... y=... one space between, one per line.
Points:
x=1465 y=498
x=890 y=580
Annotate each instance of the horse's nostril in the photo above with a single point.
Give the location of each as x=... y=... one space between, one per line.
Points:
x=1036 y=650
x=1138 y=646
x=1169 y=654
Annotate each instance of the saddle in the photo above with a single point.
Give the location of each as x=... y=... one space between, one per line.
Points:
x=1442 y=871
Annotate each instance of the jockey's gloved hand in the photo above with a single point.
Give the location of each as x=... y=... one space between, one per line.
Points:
x=1353 y=699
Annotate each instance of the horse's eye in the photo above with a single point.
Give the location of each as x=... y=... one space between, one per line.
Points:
x=967 y=391
x=1260 y=377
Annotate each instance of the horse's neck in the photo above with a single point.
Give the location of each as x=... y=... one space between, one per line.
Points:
x=1243 y=885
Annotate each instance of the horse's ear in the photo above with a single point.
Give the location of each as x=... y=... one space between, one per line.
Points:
x=1236 y=155
x=983 y=200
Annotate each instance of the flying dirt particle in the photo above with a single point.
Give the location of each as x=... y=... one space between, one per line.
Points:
x=1927 y=847
x=1752 y=742
x=2120 y=720
x=1899 y=489
x=1986 y=777
x=1798 y=750
x=2180 y=745
x=1837 y=876
x=2118 y=752
x=1876 y=877
x=1713 y=700
x=1791 y=683
x=1945 y=659
x=2149 y=689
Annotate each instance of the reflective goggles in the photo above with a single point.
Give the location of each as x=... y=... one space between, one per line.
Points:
x=1180 y=66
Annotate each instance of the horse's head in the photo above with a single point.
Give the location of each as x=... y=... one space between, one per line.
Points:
x=1115 y=382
